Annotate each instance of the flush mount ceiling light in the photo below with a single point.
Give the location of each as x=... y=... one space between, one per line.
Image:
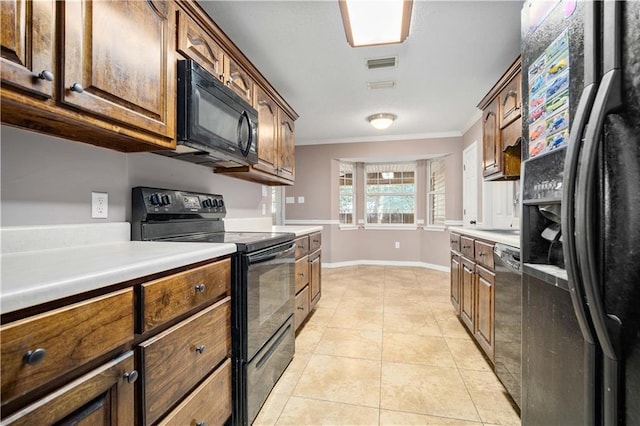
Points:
x=382 y=120
x=370 y=23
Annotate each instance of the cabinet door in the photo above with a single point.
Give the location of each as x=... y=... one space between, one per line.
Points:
x=467 y=297
x=195 y=43
x=455 y=281
x=267 y=132
x=315 y=278
x=286 y=148
x=104 y=396
x=302 y=272
x=302 y=307
x=491 y=148
x=237 y=79
x=27 y=38
x=116 y=62
x=510 y=102
x=485 y=310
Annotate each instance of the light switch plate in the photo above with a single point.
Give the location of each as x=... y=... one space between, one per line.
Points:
x=300 y=200
x=290 y=200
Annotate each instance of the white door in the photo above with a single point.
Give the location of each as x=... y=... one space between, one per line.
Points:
x=470 y=184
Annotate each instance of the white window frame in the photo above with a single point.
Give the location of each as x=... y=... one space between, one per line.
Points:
x=397 y=165
x=432 y=193
x=352 y=166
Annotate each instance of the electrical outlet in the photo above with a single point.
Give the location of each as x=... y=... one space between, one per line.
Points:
x=99 y=205
x=397 y=244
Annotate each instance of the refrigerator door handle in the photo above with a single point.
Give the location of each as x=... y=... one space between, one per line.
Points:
x=568 y=212
x=608 y=99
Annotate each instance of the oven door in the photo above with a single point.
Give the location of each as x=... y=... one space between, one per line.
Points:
x=270 y=293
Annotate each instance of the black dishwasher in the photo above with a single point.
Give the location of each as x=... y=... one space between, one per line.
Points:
x=508 y=319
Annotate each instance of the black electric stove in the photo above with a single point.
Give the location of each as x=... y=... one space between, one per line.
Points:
x=262 y=288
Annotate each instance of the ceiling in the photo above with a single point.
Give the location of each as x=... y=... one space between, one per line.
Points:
x=456 y=51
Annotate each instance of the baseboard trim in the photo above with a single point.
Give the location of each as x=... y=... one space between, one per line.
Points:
x=331 y=265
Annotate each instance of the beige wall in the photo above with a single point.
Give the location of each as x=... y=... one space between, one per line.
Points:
x=317 y=182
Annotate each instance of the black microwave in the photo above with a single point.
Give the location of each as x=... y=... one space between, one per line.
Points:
x=215 y=126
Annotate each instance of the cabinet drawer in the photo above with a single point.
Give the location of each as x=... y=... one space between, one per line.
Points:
x=467 y=247
x=209 y=404
x=315 y=241
x=484 y=254
x=103 y=396
x=302 y=273
x=302 y=246
x=178 y=358
x=302 y=307
x=171 y=296
x=454 y=240
x=68 y=337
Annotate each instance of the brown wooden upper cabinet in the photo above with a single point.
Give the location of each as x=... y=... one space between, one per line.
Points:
x=110 y=83
x=196 y=42
x=28 y=35
x=268 y=132
x=502 y=127
x=122 y=74
x=286 y=147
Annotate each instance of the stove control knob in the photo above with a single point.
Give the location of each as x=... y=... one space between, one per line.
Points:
x=220 y=203
x=165 y=200
x=214 y=203
x=155 y=199
x=207 y=203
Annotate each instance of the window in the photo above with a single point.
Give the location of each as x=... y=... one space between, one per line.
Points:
x=390 y=194
x=347 y=194
x=435 y=192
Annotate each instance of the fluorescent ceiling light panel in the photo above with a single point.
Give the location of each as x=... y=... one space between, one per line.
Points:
x=374 y=22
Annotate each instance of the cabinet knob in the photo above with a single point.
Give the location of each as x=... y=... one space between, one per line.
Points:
x=201 y=423
x=34 y=357
x=200 y=288
x=76 y=87
x=301 y=274
x=200 y=349
x=46 y=75
x=221 y=76
x=131 y=376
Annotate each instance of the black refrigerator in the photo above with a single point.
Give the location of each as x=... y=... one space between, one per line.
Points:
x=581 y=212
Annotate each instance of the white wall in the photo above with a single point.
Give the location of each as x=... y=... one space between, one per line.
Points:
x=48 y=180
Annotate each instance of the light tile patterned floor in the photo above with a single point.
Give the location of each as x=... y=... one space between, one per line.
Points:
x=383 y=347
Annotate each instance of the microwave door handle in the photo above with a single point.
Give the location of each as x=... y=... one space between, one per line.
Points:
x=244 y=118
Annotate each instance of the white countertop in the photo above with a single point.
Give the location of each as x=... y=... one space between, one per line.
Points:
x=30 y=276
x=299 y=230
x=509 y=239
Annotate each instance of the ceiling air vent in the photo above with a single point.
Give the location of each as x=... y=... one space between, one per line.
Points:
x=376 y=63
x=388 y=84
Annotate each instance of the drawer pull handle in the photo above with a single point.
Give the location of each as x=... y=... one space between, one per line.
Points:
x=301 y=275
x=131 y=376
x=201 y=424
x=34 y=357
x=200 y=288
x=46 y=75
x=300 y=247
x=301 y=308
x=465 y=246
x=200 y=349
x=481 y=254
x=77 y=87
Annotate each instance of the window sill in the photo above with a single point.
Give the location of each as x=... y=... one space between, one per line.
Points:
x=347 y=227
x=436 y=228
x=391 y=227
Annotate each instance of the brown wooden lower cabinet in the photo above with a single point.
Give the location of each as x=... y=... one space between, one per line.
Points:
x=105 y=396
x=467 y=290
x=308 y=271
x=210 y=404
x=74 y=364
x=484 y=331
x=472 y=288
x=455 y=281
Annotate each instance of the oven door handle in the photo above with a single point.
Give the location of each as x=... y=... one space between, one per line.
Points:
x=261 y=258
